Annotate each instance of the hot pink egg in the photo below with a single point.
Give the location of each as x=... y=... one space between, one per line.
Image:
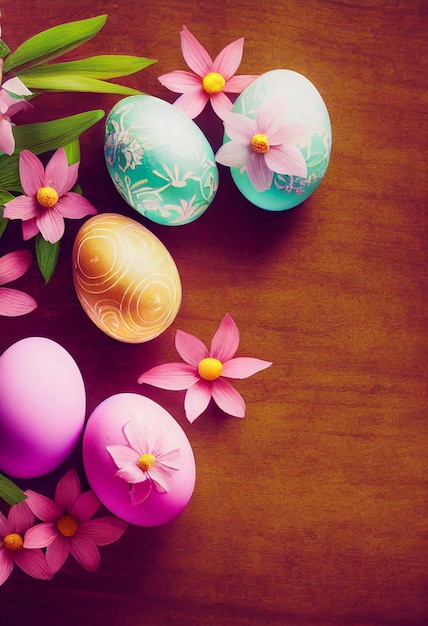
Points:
x=42 y=407
x=105 y=427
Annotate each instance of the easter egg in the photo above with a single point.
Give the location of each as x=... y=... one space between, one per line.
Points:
x=159 y=160
x=155 y=433
x=42 y=407
x=301 y=103
x=125 y=278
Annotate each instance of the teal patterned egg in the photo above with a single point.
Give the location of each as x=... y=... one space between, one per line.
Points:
x=302 y=103
x=159 y=160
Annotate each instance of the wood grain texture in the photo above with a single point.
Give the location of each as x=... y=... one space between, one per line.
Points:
x=311 y=510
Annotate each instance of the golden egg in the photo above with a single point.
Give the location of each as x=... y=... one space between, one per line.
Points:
x=125 y=278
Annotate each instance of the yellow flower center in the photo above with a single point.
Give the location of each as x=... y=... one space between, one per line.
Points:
x=213 y=82
x=260 y=143
x=210 y=369
x=13 y=542
x=47 y=197
x=67 y=525
x=146 y=461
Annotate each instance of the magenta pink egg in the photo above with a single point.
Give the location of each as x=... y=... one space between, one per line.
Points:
x=108 y=429
x=42 y=407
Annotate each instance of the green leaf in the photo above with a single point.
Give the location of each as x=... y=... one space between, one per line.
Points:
x=72 y=151
x=73 y=82
x=10 y=492
x=103 y=66
x=4 y=49
x=43 y=137
x=47 y=256
x=54 y=42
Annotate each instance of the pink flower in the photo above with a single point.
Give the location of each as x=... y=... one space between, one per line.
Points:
x=47 y=200
x=67 y=525
x=204 y=371
x=11 y=102
x=13 y=302
x=209 y=80
x=14 y=548
x=264 y=145
x=146 y=462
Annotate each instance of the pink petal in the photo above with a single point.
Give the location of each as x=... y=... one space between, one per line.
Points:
x=7 y=140
x=180 y=81
x=270 y=115
x=67 y=491
x=85 y=552
x=56 y=553
x=40 y=535
x=228 y=60
x=172 y=376
x=131 y=474
x=221 y=104
x=243 y=367
x=73 y=171
x=75 y=206
x=33 y=563
x=85 y=507
x=51 y=225
x=17 y=106
x=195 y=55
x=288 y=133
x=31 y=173
x=29 y=229
x=14 y=303
x=286 y=160
x=140 y=492
x=227 y=398
x=192 y=103
x=160 y=479
x=123 y=455
x=20 y=518
x=5 y=528
x=239 y=127
x=16 y=86
x=171 y=459
x=226 y=340
x=197 y=399
x=6 y=565
x=21 y=208
x=44 y=508
x=103 y=530
x=13 y=265
x=259 y=173
x=237 y=83
x=233 y=154
x=56 y=173
x=190 y=348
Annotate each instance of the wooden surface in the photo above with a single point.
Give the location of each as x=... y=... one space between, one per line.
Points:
x=311 y=510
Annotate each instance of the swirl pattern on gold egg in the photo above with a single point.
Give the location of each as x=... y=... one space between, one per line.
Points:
x=125 y=278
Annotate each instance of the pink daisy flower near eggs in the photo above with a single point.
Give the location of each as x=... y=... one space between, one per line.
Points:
x=67 y=527
x=12 y=301
x=48 y=199
x=208 y=80
x=264 y=145
x=204 y=371
x=14 y=548
x=145 y=463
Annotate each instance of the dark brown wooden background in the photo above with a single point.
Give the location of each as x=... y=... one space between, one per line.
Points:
x=311 y=510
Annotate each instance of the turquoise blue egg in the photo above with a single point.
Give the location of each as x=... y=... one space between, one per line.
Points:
x=302 y=102
x=159 y=160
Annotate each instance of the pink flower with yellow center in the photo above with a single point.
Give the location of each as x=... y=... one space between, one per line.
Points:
x=204 y=371
x=12 y=301
x=48 y=199
x=209 y=80
x=67 y=527
x=264 y=145
x=14 y=548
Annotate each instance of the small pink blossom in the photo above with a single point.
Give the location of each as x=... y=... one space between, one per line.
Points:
x=67 y=526
x=12 y=101
x=48 y=199
x=208 y=80
x=12 y=301
x=147 y=461
x=204 y=371
x=264 y=145
x=14 y=547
